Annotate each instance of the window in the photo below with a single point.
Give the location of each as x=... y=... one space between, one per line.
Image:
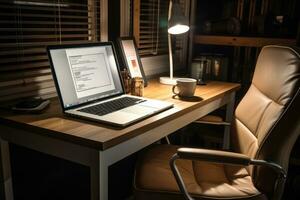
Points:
x=150 y=26
x=27 y=27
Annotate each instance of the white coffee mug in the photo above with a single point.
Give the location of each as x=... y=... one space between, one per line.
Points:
x=185 y=87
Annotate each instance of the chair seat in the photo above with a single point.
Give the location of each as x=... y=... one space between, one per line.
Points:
x=155 y=180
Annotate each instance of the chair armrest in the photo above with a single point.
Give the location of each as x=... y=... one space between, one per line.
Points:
x=213 y=156
x=227 y=158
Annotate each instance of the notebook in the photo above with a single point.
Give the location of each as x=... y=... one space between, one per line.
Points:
x=89 y=85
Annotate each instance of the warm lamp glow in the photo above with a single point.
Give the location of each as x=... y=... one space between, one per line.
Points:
x=178 y=29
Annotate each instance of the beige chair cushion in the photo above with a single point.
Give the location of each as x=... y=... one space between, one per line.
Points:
x=155 y=180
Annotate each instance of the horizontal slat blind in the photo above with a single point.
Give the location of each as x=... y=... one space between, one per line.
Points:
x=150 y=26
x=26 y=28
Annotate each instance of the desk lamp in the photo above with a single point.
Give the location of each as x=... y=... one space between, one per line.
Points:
x=177 y=24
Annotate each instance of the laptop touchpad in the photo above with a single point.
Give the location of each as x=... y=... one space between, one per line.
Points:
x=139 y=110
x=120 y=117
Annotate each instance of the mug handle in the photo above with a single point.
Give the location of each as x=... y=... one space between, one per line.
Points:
x=173 y=89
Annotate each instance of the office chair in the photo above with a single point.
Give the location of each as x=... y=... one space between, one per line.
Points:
x=265 y=127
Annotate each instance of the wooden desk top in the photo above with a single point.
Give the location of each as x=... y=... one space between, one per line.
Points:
x=96 y=135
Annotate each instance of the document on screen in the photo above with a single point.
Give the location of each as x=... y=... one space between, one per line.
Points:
x=90 y=71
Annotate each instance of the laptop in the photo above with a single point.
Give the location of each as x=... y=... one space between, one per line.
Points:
x=89 y=85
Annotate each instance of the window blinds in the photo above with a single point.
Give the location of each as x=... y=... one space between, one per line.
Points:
x=150 y=26
x=26 y=28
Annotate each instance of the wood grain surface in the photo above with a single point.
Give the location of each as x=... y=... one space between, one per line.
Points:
x=53 y=123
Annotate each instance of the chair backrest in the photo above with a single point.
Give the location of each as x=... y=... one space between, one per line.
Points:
x=267 y=120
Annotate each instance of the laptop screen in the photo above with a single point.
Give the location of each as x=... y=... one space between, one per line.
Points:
x=85 y=73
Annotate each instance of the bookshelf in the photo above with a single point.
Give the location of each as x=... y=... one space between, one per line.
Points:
x=255 y=23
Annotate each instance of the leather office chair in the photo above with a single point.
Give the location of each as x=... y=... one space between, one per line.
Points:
x=264 y=129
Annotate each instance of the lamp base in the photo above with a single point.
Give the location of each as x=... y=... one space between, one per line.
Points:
x=168 y=80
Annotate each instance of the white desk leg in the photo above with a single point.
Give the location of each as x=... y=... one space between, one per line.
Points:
x=6 y=190
x=94 y=177
x=229 y=116
x=103 y=177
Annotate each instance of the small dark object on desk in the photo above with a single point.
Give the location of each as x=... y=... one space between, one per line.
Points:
x=31 y=105
x=200 y=82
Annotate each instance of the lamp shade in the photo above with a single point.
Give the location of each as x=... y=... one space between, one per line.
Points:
x=178 y=23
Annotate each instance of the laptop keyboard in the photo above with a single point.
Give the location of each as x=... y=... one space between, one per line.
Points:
x=111 y=106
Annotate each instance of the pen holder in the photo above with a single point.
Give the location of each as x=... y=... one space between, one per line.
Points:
x=126 y=80
x=137 y=86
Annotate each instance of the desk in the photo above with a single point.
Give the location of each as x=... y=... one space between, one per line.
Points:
x=98 y=146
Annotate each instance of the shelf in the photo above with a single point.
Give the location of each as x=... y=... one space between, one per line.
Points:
x=241 y=41
x=295 y=161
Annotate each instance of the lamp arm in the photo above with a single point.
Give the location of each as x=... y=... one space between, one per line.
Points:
x=170 y=42
x=170 y=10
x=170 y=55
